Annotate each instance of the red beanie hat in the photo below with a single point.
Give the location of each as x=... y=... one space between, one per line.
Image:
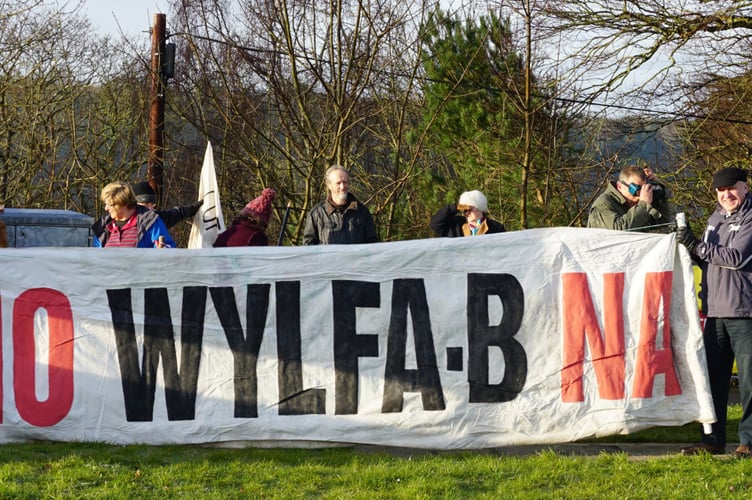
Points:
x=261 y=207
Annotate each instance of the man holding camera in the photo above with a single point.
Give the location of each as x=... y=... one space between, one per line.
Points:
x=637 y=201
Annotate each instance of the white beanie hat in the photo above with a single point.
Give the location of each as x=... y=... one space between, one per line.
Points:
x=473 y=199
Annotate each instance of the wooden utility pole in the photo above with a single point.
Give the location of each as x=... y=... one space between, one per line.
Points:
x=156 y=108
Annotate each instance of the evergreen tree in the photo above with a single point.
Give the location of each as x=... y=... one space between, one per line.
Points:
x=475 y=103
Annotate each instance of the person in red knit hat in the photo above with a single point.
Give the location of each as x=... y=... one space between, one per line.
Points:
x=249 y=227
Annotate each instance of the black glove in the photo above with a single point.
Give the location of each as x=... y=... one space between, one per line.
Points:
x=685 y=236
x=194 y=207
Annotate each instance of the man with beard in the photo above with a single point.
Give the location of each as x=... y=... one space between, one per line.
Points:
x=341 y=218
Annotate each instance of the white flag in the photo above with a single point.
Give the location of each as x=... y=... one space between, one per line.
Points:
x=208 y=221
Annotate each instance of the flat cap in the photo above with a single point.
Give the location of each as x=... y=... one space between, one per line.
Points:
x=728 y=176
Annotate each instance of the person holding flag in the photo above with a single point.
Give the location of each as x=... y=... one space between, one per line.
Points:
x=146 y=197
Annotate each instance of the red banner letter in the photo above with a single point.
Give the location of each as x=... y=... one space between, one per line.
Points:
x=60 y=363
x=651 y=360
x=580 y=320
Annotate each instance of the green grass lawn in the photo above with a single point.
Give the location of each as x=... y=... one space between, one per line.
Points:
x=76 y=470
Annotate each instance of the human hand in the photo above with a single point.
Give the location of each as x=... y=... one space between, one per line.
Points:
x=195 y=206
x=646 y=193
x=685 y=236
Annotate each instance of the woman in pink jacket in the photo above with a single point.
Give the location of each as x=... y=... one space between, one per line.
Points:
x=249 y=227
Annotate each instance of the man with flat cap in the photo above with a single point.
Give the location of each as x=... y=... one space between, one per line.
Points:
x=147 y=197
x=725 y=255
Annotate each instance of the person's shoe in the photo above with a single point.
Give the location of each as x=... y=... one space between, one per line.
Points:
x=743 y=451
x=699 y=448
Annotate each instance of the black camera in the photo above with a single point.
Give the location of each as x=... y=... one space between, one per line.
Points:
x=659 y=190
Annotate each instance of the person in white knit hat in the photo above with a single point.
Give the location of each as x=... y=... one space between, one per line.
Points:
x=469 y=217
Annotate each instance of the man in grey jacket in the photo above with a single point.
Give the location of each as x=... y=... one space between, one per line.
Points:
x=725 y=255
x=341 y=218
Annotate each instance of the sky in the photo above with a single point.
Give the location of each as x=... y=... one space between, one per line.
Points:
x=133 y=16
x=136 y=17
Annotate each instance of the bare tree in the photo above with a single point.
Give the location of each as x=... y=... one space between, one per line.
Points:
x=71 y=115
x=287 y=88
x=683 y=63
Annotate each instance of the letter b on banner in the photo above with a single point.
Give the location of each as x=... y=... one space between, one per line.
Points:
x=482 y=335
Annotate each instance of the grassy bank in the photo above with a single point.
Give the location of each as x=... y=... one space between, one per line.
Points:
x=71 y=470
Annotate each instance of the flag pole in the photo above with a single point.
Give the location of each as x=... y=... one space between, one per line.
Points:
x=284 y=223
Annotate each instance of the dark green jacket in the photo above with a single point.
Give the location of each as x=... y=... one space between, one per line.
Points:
x=612 y=211
x=327 y=224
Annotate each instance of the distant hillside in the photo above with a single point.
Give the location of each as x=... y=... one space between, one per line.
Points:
x=616 y=143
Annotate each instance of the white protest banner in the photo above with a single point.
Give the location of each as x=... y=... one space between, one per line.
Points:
x=527 y=337
x=208 y=221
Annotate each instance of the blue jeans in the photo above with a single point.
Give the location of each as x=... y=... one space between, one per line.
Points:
x=726 y=339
